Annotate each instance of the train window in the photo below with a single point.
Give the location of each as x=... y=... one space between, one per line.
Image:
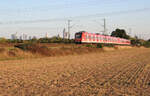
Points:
x=93 y=37
x=78 y=35
x=105 y=39
x=97 y=38
x=101 y=38
x=87 y=37
x=111 y=39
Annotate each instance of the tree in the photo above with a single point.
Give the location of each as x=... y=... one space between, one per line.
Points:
x=120 y=33
x=146 y=44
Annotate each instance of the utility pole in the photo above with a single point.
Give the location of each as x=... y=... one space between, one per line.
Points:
x=69 y=29
x=104 y=32
x=64 y=33
x=46 y=35
x=130 y=30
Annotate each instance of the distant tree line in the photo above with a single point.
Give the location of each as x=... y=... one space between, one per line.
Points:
x=120 y=33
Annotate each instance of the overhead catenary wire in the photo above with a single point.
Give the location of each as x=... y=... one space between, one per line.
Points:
x=60 y=6
x=79 y=17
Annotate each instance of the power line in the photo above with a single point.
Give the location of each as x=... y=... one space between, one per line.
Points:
x=81 y=4
x=83 y=17
x=114 y=13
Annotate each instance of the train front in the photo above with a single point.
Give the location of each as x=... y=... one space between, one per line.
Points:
x=78 y=38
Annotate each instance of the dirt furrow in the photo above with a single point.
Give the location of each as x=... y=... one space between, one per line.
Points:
x=96 y=74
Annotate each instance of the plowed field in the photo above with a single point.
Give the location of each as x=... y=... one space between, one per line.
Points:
x=115 y=73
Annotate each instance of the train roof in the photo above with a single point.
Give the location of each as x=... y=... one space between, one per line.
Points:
x=82 y=32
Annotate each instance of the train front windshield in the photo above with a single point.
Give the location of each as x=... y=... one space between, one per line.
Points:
x=78 y=36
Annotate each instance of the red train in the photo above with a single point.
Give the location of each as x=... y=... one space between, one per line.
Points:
x=85 y=37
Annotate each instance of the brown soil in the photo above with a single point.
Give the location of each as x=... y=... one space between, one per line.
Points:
x=115 y=73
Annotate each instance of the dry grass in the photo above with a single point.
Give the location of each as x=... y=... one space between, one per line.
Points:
x=43 y=50
x=15 y=53
x=61 y=51
x=9 y=52
x=123 y=47
x=116 y=73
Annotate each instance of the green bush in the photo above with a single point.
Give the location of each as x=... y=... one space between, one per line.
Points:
x=99 y=46
x=136 y=42
x=90 y=46
x=147 y=44
x=108 y=45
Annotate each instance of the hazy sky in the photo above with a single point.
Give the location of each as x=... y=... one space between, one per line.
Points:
x=36 y=17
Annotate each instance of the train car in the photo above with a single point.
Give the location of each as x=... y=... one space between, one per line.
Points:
x=85 y=37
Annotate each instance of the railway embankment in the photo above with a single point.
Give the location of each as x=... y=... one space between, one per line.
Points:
x=24 y=51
